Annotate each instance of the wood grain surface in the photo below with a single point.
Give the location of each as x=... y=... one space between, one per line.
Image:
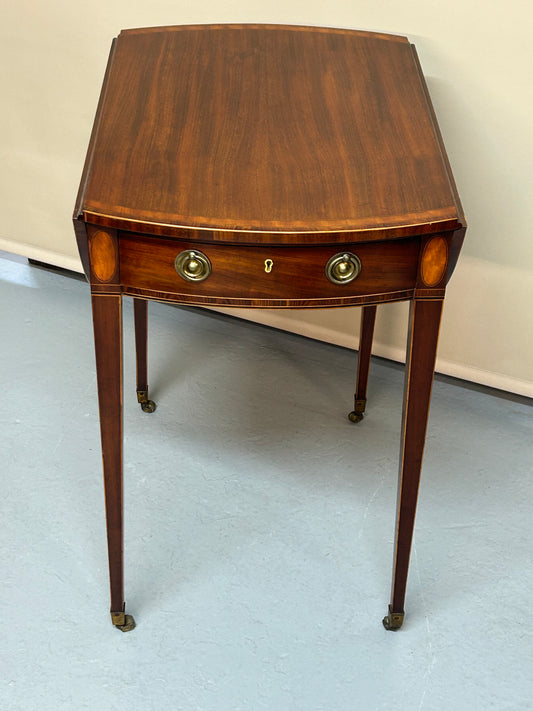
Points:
x=238 y=276
x=267 y=129
x=256 y=144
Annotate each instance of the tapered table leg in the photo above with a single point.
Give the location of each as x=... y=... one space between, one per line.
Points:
x=424 y=323
x=107 y=320
x=140 y=314
x=366 y=334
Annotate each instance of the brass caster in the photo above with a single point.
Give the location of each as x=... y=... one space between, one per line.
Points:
x=142 y=399
x=393 y=621
x=123 y=622
x=358 y=409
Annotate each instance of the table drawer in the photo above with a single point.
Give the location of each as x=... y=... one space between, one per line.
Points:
x=244 y=275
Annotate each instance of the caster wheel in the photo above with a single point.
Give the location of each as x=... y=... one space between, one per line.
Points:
x=355 y=416
x=393 y=621
x=122 y=622
x=129 y=624
x=148 y=406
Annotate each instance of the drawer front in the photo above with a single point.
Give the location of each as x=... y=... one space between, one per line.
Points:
x=267 y=276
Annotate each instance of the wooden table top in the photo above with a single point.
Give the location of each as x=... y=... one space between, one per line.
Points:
x=267 y=129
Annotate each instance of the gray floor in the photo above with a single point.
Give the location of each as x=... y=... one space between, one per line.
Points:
x=259 y=525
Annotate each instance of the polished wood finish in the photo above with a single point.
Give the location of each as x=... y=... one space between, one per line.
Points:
x=342 y=137
x=389 y=269
x=107 y=314
x=424 y=323
x=103 y=249
x=434 y=260
x=107 y=321
x=140 y=315
x=366 y=335
x=251 y=143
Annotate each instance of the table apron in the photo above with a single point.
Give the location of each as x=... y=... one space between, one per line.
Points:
x=268 y=277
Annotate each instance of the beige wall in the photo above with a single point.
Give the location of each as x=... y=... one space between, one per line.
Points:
x=477 y=58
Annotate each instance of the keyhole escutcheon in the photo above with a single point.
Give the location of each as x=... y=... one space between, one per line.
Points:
x=268 y=265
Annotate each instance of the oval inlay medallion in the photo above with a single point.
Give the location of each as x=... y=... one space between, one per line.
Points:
x=103 y=255
x=434 y=261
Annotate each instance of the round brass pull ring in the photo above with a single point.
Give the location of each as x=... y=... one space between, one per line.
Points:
x=343 y=268
x=192 y=265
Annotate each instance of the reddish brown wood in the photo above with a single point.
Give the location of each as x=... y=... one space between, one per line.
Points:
x=140 y=314
x=300 y=28
x=342 y=138
x=366 y=334
x=270 y=303
x=434 y=261
x=79 y=222
x=424 y=323
x=103 y=254
x=238 y=271
x=103 y=257
x=250 y=237
x=107 y=320
x=103 y=270
x=249 y=143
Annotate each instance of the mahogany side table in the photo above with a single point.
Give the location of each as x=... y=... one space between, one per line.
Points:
x=274 y=167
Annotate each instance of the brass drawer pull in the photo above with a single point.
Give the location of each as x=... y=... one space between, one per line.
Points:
x=192 y=265
x=343 y=268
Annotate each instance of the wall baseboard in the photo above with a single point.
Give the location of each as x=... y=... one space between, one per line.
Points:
x=462 y=371
x=45 y=256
